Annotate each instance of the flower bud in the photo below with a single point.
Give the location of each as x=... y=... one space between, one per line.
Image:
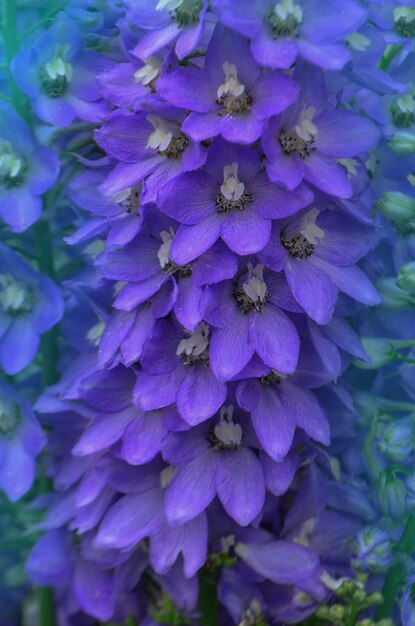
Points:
x=373 y=549
x=391 y=494
x=410 y=492
x=336 y=612
x=397 y=206
x=375 y=598
x=403 y=142
x=394 y=298
x=406 y=277
x=381 y=351
x=396 y=440
x=323 y=612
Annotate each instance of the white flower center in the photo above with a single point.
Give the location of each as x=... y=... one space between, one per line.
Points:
x=306 y=226
x=95 y=332
x=350 y=165
x=406 y=14
x=170 y=5
x=58 y=67
x=196 y=343
x=162 y=135
x=305 y=532
x=227 y=543
x=286 y=9
x=149 y=72
x=305 y=127
x=232 y=188
x=166 y=476
x=358 y=41
x=14 y=296
x=255 y=287
x=228 y=433
x=406 y=103
x=10 y=163
x=121 y=196
x=163 y=253
x=231 y=86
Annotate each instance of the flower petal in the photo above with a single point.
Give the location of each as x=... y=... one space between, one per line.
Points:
x=240 y=485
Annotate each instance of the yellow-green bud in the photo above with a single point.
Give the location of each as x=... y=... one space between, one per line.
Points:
x=397 y=206
x=394 y=298
x=381 y=351
x=403 y=142
x=375 y=598
x=323 y=612
x=336 y=612
x=406 y=276
x=359 y=595
x=362 y=577
x=348 y=587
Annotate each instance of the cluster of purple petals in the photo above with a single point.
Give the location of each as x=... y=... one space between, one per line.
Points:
x=204 y=428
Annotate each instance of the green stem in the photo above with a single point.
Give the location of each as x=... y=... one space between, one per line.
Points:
x=46 y=606
x=371 y=460
x=11 y=47
x=396 y=573
x=391 y=51
x=208 y=601
x=405 y=359
x=47 y=17
x=48 y=345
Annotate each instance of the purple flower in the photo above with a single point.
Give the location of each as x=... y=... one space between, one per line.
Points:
x=280 y=31
x=141 y=514
x=313 y=142
x=52 y=559
x=277 y=407
x=26 y=171
x=147 y=267
x=59 y=76
x=231 y=198
x=374 y=549
x=122 y=213
x=397 y=19
x=317 y=251
x=30 y=304
x=148 y=146
x=214 y=459
x=168 y=21
x=21 y=440
x=126 y=332
x=175 y=368
x=230 y=96
x=247 y=319
x=130 y=85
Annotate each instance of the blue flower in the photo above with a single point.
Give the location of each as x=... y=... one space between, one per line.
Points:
x=27 y=170
x=59 y=76
x=21 y=440
x=30 y=304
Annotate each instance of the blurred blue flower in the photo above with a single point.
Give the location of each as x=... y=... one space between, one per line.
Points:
x=30 y=304
x=21 y=440
x=59 y=75
x=27 y=170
